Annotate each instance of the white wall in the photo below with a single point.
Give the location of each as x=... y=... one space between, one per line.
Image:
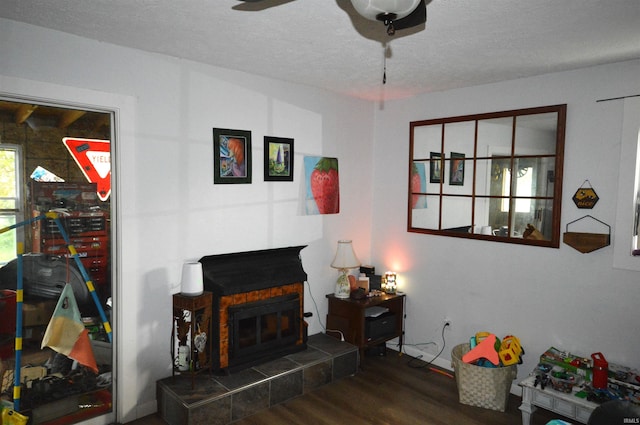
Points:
x=169 y=210
x=546 y=297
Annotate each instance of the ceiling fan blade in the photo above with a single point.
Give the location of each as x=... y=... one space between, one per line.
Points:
x=257 y=5
x=415 y=18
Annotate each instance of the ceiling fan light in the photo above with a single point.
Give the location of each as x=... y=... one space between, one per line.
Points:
x=373 y=9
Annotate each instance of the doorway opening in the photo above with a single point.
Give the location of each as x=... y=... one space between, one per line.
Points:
x=43 y=174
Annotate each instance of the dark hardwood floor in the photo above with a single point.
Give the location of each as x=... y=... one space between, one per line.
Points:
x=390 y=390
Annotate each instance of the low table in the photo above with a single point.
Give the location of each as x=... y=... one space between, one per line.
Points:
x=566 y=404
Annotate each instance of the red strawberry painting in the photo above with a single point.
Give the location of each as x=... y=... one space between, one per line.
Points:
x=324 y=185
x=416 y=185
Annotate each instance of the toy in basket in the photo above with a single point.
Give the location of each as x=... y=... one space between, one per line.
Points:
x=486 y=387
x=484 y=349
x=510 y=351
x=487 y=350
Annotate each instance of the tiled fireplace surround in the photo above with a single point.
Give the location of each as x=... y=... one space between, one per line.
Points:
x=218 y=400
x=231 y=393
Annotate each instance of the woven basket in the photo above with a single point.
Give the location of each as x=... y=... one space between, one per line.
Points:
x=481 y=386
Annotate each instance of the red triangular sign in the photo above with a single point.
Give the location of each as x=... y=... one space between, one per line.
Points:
x=94 y=159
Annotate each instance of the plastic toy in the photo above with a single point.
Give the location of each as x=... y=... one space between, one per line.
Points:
x=481 y=336
x=510 y=350
x=485 y=349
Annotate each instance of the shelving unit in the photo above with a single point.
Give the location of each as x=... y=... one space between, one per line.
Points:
x=87 y=226
x=192 y=321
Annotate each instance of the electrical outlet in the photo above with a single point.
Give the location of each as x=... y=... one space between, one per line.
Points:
x=447 y=321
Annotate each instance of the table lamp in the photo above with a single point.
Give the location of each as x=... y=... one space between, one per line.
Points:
x=344 y=260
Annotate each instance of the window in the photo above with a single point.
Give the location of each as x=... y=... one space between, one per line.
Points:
x=636 y=220
x=625 y=237
x=10 y=200
x=635 y=240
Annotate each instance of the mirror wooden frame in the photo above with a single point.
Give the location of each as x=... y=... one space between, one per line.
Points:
x=485 y=200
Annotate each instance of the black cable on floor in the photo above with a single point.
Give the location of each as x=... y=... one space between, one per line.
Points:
x=428 y=364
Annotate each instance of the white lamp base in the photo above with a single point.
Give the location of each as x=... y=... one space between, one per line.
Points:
x=343 y=288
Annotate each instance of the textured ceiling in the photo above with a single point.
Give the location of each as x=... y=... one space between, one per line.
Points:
x=324 y=43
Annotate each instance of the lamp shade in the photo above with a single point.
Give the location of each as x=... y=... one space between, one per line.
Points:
x=345 y=257
x=373 y=9
x=192 y=282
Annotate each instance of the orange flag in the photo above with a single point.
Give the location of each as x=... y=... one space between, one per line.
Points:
x=66 y=333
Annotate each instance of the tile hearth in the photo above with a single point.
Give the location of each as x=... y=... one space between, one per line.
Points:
x=219 y=400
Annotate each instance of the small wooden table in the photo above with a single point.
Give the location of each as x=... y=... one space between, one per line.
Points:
x=197 y=310
x=348 y=316
x=566 y=404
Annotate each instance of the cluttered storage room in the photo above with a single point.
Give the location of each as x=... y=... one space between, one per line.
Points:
x=55 y=279
x=312 y=212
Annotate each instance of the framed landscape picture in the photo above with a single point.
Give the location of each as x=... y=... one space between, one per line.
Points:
x=435 y=167
x=278 y=159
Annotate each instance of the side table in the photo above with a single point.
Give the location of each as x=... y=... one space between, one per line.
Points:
x=349 y=316
x=192 y=323
x=566 y=404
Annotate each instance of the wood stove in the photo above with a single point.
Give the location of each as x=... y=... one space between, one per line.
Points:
x=258 y=300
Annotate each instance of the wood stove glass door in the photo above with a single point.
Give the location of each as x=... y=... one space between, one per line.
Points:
x=260 y=327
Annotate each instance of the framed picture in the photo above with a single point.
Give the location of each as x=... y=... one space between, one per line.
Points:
x=231 y=156
x=456 y=169
x=278 y=159
x=322 y=185
x=435 y=167
x=418 y=185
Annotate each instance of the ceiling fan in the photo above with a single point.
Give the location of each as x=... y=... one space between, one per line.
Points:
x=394 y=14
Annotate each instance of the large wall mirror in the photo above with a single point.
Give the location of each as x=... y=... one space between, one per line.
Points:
x=494 y=176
